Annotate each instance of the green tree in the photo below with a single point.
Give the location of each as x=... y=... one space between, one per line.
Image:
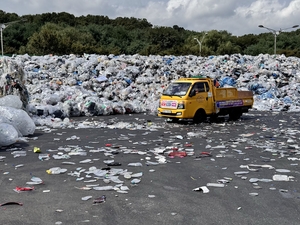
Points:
x=245 y=41
x=216 y=41
x=164 y=38
x=57 y=39
x=63 y=33
x=93 y=19
x=46 y=41
x=227 y=48
x=260 y=47
x=131 y=23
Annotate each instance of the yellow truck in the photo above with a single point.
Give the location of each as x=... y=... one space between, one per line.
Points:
x=199 y=98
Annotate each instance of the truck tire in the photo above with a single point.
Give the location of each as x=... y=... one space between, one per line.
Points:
x=213 y=118
x=235 y=114
x=200 y=116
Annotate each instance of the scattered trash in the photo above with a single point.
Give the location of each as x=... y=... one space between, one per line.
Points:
x=36 y=150
x=104 y=188
x=137 y=174
x=215 y=185
x=135 y=181
x=241 y=172
x=56 y=170
x=135 y=164
x=19 y=153
x=114 y=164
x=223 y=181
x=282 y=170
x=86 y=161
x=203 y=189
x=22 y=189
x=279 y=177
x=253 y=194
x=35 y=181
x=44 y=157
x=204 y=154
x=84 y=188
x=180 y=154
x=86 y=198
x=11 y=203
x=18 y=166
x=253 y=180
x=101 y=199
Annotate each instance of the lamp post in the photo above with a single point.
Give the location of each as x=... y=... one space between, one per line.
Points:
x=200 y=43
x=276 y=33
x=2 y=27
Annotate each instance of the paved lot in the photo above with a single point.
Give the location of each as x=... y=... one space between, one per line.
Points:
x=260 y=145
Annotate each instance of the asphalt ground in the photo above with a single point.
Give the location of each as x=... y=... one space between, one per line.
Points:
x=267 y=141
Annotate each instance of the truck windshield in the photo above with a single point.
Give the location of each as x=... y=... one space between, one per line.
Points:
x=178 y=89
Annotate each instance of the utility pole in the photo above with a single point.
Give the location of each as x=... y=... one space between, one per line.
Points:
x=276 y=33
x=3 y=26
x=200 y=43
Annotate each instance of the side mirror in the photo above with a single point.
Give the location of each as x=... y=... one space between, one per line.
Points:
x=192 y=93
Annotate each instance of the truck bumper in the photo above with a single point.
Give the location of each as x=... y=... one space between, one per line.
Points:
x=172 y=113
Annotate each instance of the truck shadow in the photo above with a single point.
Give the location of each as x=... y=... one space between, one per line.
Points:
x=219 y=120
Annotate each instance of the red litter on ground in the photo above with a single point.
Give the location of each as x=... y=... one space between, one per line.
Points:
x=188 y=145
x=20 y=189
x=204 y=154
x=179 y=154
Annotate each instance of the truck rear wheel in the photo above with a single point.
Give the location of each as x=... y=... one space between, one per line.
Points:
x=213 y=118
x=200 y=116
x=235 y=114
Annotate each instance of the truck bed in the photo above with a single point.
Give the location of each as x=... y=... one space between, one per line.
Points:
x=223 y=94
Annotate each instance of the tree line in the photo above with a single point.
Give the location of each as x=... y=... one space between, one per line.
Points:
x=63 y=33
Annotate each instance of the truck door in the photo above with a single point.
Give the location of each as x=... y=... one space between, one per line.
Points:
x=201 y=97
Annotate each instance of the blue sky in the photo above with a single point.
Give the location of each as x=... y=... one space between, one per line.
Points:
x=238 y=17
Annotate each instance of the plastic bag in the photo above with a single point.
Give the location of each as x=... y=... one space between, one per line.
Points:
x=11 y=101
x=19 y=118
x=8 y=134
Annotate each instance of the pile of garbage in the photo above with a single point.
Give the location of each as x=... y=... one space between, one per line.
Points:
x=92 y=85
x=68 y=86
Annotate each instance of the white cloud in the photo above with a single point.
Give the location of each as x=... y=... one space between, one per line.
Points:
x=270 y=13
x=236 y=16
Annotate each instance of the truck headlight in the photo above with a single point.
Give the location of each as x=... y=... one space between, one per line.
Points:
x=180 y=105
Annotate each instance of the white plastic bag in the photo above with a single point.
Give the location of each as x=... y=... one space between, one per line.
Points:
x=8 y=134
x=11 y=101
x=19 y=118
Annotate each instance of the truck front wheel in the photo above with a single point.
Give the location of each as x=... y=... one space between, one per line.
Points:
x=200 y=116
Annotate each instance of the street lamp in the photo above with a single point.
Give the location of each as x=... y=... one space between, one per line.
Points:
x=2 y=27
x=276 y=33
x=200 y=42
